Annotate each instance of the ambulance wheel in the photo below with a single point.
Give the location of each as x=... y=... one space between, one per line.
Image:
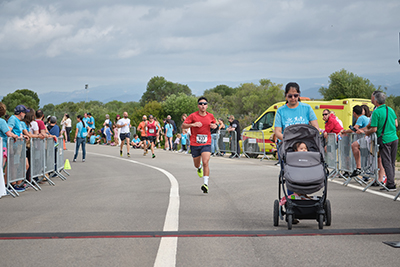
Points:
x=328 y=214
x=321 y=221
x=289 y=219
x=276 y=212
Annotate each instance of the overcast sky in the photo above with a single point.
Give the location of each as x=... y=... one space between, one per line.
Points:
x=49 y=45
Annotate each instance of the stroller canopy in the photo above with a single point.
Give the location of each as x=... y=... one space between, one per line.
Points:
x=301 y=133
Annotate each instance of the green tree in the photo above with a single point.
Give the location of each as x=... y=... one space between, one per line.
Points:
x=24 y=97
x=344 y=84
x=178 y=104
x=158 y=89
x=221 y=89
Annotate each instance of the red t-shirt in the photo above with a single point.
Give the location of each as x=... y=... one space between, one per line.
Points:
x=41 y=125
x=200 y=136
x=151 y=129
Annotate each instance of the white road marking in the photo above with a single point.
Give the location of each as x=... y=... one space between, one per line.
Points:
x=166 y=255
x=368 y=191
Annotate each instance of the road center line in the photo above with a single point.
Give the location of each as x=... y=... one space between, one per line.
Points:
x=166 y=255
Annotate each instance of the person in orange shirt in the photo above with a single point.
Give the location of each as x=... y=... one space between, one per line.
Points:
x=143 y=134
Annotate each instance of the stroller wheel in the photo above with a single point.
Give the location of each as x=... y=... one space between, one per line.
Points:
x=289 y=219
x=328 y=214
x=321 y=221
x=276 y=212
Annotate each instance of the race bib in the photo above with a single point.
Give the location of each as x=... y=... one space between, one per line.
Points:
x=201 y=139
x=151 y=131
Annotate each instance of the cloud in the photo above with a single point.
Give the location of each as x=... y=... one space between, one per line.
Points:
x=193 y=40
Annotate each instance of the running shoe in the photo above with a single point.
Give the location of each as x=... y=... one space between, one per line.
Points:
x=129 y=155
x=19 y=189
x=120 y=153
x=204 y=187
x=153 y=156
x=200 y=172
x=356 y=172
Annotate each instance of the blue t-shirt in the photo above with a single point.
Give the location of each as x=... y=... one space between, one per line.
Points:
x=93 y=138
x=3 y=130
x=15 y=125
x=85 y=120
x=170 y=129
x=286 y=116
x=183 y=138
x=55 y=130
x=136 y=140
x=362 y=121
x=82 y=132
x=91 y=119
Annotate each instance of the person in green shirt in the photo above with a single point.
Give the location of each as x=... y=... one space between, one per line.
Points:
x=390 y=139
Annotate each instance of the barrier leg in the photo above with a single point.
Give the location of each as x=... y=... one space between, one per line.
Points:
x=398 y=194
x=10 y=192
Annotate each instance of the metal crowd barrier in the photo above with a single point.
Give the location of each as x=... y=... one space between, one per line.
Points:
x=331 y=156
x=254 y=145
x=227 y=142
x=340 y=158
x=45 y=160
x=60 y=160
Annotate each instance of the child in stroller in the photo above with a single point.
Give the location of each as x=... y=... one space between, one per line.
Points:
x=303 y=170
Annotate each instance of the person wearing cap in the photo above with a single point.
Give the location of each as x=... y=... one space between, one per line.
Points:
x=15 y=125
x=53 y=128
x=4 y=133
x=234 y=126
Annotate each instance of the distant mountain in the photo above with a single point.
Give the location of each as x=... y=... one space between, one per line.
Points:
x=133 y=92
x=103 y=94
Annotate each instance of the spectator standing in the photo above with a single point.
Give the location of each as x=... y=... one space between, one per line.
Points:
x=68 y=127
x=117 y=131
x=53 y=128
x=172 y=122
x=169 y=132
x=64 y=128
x=125 y=124
x=383 y=122
x=331 y=123
x=234 y=126
x=4 y=133
x=200 y=122
x=108 y=133
x=222 y=127
x=214 y=141
x=177 y=142
x=91 y=124
x=184 y=140
x=40 y=122
x=80 y=138
x=15 y=125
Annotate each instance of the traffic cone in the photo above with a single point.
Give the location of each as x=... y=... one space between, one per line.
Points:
x=65 y=147
x=67 y=166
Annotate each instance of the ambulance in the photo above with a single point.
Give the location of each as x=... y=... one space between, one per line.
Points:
x=252 y=137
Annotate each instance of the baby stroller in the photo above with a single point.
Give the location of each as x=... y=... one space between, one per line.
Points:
x=303 y=173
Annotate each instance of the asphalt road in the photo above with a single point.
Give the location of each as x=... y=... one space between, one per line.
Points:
x=139 y=211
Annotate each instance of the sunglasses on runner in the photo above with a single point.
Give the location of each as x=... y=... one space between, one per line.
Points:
x=202 y=103
x=325 y=114
x=294 y=95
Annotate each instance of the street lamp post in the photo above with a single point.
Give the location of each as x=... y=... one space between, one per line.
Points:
x=86 y=89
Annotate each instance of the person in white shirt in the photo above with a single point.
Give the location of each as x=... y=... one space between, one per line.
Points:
x=124 y=124
x=68 y=127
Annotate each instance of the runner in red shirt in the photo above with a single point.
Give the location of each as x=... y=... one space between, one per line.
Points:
x=200 y=123
x=151 y=126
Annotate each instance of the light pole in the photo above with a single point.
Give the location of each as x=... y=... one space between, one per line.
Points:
x=86 y=89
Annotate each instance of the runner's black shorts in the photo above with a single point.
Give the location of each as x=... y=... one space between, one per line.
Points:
x=198 y=150
x=122 y=136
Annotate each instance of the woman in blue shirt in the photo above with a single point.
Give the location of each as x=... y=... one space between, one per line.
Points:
x=294 y=112
x=80 y=138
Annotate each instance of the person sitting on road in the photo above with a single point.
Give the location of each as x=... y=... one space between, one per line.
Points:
x=136 y=142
